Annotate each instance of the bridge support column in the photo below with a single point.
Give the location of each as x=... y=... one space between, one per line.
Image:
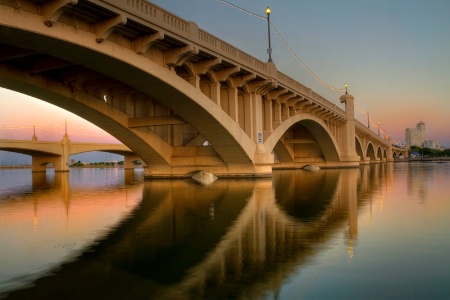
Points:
x=389 y=152
x=276 y=115
x=267 y=117
x=233 y=103
x=64 y=163
x=257 y=118
x=60 y=162
x=129 y=161
x=248 y=115
x=39 y=163
x=349 y=157
x=215 y=92
x=365 y=160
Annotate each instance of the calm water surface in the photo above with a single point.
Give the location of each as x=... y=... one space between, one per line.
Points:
x=376 y=232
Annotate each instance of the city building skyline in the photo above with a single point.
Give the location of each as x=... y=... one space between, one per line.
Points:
x=418 y=137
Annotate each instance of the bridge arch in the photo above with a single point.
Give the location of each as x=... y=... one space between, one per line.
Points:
x=385 y=153
x=379 y=153
x=359 y=148
x=370 y=152
x=103 y=108
x=40 y=157
x=319 y=135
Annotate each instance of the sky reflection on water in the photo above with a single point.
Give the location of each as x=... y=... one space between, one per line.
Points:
x=372 y=232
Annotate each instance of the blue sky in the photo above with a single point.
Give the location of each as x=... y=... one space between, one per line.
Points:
x=394 y=54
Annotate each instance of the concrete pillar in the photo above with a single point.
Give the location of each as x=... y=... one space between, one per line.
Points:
x=276 y=114
x=215 y=92
x=130 y=110
x=195 y=81
x=39 y=163
x=284 y=112
x=347 y=132
x=233 y=103
x=267 y=117
x=258 y=130
x=177 y=135
x=248 y=115
x=65 y=143
x=128 y=161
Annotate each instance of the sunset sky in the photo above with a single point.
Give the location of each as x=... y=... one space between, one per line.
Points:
x=393 y=54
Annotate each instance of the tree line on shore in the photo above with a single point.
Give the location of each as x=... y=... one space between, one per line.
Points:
x=428 y=152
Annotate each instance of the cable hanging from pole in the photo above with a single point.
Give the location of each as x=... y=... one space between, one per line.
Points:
x=285 y=44
x=303 y=64
x=299 y=60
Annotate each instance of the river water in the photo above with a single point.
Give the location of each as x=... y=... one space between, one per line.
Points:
x=375 y=232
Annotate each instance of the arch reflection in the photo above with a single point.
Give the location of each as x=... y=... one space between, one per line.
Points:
x=231 y=239
x=305 y=195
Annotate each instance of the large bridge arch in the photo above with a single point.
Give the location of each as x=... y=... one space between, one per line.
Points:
x=136 y=72
x=320 y=134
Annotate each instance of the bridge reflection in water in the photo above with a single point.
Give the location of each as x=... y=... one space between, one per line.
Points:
x=231 y=239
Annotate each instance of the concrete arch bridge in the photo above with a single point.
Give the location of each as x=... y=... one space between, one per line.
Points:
x=58 y=153
x=178 y=97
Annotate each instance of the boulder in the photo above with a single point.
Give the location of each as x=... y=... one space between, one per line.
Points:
x=204 y=177
x=311 y=168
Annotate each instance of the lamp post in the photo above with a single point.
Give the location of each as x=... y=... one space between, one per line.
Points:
x=269 y=50
x=368 y=124
x=378 y=128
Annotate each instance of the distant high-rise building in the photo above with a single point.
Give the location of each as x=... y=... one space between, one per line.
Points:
x=415 y=136
x=432 y=145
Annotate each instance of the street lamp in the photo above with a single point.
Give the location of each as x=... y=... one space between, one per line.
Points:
x=378 y=128
x=269 y=50
x=368 y=126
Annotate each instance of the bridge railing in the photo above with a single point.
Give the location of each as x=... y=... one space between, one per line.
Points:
x=169 y=22
x=308 y=93
x=224 y=49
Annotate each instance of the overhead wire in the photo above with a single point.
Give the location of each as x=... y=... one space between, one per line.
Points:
x=283 y=41
x=299 y=60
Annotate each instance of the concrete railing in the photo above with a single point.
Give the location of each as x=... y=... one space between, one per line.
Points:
x=191 y=33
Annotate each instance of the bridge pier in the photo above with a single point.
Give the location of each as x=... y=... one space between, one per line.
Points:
x=129 y=161
x=348 y=133
x=365 y=161
x=39 y=162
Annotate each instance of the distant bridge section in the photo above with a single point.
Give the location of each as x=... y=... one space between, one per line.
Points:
x=58 y=153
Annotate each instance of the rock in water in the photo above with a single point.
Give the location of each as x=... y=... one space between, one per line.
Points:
x=204 y=177
x=311 y=168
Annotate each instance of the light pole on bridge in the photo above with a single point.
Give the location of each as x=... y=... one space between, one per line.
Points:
x=269 y=50
x=368 y=126
x=34 y=137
